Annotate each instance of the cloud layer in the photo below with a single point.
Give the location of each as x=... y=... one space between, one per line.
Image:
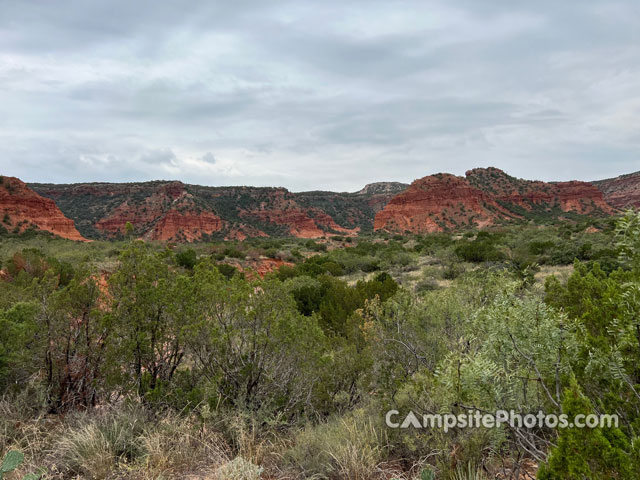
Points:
x=317 y=95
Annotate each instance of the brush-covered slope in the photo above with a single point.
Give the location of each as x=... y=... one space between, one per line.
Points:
x=485 y=196
x=622 y=191
x=21 y=209
x=163 y=210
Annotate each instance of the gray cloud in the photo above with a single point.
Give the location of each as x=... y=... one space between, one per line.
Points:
x=313 y=95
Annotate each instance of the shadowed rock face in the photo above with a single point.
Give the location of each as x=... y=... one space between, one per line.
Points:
x=484 y=197
x=622 y=191
x=22 y=208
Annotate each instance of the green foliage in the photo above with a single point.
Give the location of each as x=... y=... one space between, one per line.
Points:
x=335 y=301
x=248 y=339
x=128 y=230
x=186 y=258
x=482 y=249
x=233 y=252
x=509 y=340
x=307 y=360
x=11 y=461
x=628 y=239
x=587 y=453
x=148 y=315
x=315 y=246
x=228 y=270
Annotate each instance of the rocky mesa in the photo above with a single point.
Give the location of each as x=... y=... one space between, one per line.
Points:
x=485 y=196
x=622 y=191
x=173 y=211
x=21 y=209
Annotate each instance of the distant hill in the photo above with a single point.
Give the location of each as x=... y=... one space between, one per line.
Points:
x=622 y=191
x=172 y=210
x=22 y=209
x=484 y=197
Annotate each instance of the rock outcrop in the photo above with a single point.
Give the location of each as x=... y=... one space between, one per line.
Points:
x=168 y=212
x=579 y=197
x=436 y=203
x=621 y=192
x=484 y=197
x=187 y=226
x=21 y=208
x=173 y=211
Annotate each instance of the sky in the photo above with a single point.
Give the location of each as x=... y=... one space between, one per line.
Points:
x=329 y=94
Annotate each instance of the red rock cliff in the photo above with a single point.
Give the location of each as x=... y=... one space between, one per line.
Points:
x=436 y=203
x=621 y=192
x=486 y=196
x=21 y=207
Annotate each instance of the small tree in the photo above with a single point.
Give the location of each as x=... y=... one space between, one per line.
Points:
x=148 y=315
x=128 y=230
x=583 y=453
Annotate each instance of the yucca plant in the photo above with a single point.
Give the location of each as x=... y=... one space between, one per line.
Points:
x=427 y=474
x=471 y=472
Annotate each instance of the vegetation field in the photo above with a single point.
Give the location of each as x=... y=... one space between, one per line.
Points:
x=279 y=358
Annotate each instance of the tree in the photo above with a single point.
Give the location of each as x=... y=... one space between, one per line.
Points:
x=187 y=258
x=128 y=230
x=584 y=453
x=148 y=314
x=78 y=338
x=250 y=344
x=628 y=239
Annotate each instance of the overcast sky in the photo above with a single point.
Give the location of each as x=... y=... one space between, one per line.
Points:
x=327 y=94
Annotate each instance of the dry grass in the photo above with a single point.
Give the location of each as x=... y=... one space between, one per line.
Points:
x=563 y=272
x=351 y=448
x=126 y=441
x=117 y=442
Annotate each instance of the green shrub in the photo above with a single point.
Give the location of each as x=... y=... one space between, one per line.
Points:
x=316 y=247
x=227 y=270
x=482 y=249
x=233 y=252
x=427 y=285
x=186 y=258
x=333 y=268
x=240 y=469
x=587 y=453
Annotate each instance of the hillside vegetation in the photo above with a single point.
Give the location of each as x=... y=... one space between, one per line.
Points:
x=278 y=358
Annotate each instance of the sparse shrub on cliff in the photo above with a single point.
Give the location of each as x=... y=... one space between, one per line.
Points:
x=315 y=246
